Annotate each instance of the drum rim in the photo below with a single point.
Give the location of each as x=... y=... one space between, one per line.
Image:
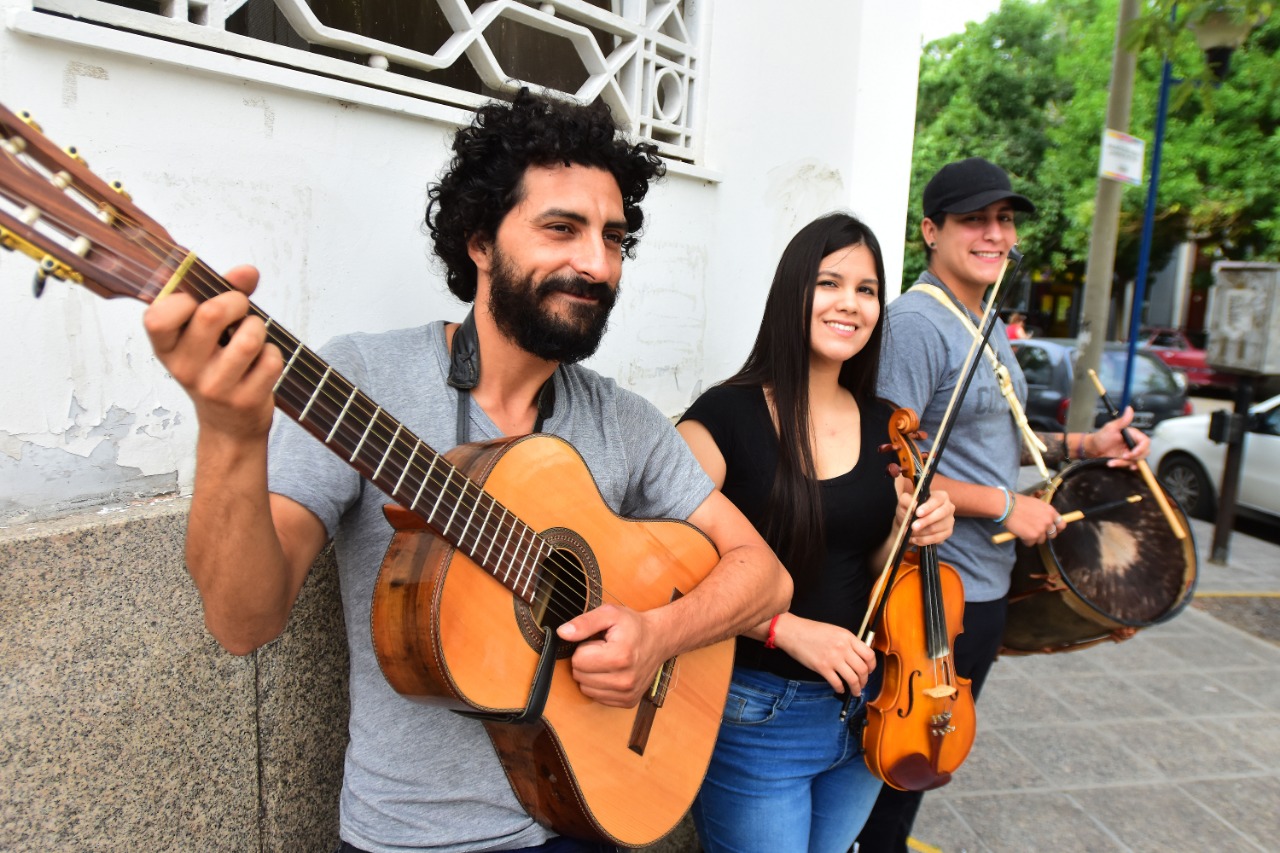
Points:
x=1077 y=599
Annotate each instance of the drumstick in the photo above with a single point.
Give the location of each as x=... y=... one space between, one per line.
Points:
x=1143 y=468
x=1076 y=515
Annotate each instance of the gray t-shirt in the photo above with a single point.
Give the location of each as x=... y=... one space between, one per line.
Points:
x=416 y=777
x=924 y=351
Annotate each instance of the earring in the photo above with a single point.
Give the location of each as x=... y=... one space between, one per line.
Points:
x=933 y=245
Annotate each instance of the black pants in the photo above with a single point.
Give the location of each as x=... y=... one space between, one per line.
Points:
x=889 y=824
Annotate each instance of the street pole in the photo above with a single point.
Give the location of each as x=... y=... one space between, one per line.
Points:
x=1102 y=240
x=1148 y=228
x=1225 y=520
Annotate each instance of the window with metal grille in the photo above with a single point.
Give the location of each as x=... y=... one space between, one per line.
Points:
x=642 y=57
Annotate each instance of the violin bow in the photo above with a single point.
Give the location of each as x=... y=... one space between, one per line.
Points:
x=999 y=292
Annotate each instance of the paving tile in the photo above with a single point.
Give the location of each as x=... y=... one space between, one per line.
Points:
x=1018 y=823
x=1183 y=749
x=1074 y=756
x=1210 y=652
x=1258 y=736
x=1250 y=805
x=938 y=825
x=1097 y=698
x=1039 y=666
x=1140 y=654
x=993 y=765
x=1160 y=818
x=1189 y=621
x=1019 y=701
x=1257 y=685
x=1202 y=694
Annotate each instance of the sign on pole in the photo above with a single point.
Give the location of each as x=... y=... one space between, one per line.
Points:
x=1121 y=157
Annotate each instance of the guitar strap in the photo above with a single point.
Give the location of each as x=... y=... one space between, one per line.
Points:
x=1034 y=445
x=464 y=374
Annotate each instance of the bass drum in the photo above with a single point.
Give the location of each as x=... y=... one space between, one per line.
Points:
x=1102 y=577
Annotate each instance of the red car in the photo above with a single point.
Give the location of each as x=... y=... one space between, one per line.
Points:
x=1176 y=349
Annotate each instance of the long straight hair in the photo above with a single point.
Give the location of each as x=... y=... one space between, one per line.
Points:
x=779 y=361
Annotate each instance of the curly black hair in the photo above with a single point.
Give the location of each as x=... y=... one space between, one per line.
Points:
x=484 y=180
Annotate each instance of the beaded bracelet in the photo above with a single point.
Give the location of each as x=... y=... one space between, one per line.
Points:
x=1008 y=505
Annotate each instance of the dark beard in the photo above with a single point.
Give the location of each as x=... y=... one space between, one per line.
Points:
x=516 y=304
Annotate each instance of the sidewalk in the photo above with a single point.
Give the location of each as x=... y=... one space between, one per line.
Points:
x=1167 y=742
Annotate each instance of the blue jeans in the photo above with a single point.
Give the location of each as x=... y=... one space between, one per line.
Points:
x=786 y=773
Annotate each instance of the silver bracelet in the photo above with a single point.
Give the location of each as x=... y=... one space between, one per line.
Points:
x=1008 y=505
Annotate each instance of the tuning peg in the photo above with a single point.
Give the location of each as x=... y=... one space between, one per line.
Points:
x=30 y=121
x=50 y=267
x=74 y=153
x=119 y=187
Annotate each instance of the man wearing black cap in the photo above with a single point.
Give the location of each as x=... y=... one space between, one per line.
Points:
x=968 y=229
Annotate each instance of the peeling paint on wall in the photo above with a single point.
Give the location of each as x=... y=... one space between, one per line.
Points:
x=38 y=481
x=268 y=115
x=71 y=80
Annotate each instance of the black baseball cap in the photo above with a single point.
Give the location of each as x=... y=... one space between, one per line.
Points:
x=968 y=185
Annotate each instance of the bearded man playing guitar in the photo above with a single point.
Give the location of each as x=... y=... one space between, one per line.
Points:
x=532 y=219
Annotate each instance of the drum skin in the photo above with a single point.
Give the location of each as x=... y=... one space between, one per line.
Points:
x=1124 y=569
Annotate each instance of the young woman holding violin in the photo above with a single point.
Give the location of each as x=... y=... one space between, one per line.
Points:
x=793 y=439
x=969 y=227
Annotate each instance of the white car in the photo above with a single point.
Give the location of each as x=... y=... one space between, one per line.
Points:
x=1190 y=465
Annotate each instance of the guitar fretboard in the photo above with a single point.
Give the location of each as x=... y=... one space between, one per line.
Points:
x=328 y=406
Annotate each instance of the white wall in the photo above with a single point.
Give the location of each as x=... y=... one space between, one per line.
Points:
x=809 y=114
x=324 y=192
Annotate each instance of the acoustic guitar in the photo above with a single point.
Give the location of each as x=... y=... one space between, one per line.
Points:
x=495 y=544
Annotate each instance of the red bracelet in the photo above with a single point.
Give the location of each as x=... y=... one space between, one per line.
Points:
x=770 y=642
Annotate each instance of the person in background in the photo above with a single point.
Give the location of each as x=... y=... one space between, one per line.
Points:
x=1016 y=328
x=793 y=439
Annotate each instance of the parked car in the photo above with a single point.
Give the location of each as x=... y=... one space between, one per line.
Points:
x=1190 y=465
x=1158 y=392
x=1180 y=351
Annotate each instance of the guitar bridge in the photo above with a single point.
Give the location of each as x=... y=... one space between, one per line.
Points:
x=652 y=701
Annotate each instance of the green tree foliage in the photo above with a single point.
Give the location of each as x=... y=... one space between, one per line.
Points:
x=1027 y=88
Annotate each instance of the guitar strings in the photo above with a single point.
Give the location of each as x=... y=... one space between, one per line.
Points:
x=205 y=283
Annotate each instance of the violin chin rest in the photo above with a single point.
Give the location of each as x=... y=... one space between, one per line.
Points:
x=916 y=773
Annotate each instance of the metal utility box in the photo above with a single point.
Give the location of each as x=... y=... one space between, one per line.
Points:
x=1244 y=318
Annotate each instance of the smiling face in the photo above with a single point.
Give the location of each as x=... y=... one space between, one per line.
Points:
x=969 y=250
x=550 y=276
x=846 y=305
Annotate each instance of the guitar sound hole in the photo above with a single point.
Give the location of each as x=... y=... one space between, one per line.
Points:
x=562 y=591
x=568 y=586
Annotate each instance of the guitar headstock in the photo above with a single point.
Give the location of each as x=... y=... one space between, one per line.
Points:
x=74 y=225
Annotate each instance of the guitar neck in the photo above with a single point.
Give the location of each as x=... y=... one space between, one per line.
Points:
x=386 y=453
x=81 y=229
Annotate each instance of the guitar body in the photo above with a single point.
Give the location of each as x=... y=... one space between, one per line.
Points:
x=448 y=633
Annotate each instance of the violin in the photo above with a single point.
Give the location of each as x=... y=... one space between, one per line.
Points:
x=921 y=726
